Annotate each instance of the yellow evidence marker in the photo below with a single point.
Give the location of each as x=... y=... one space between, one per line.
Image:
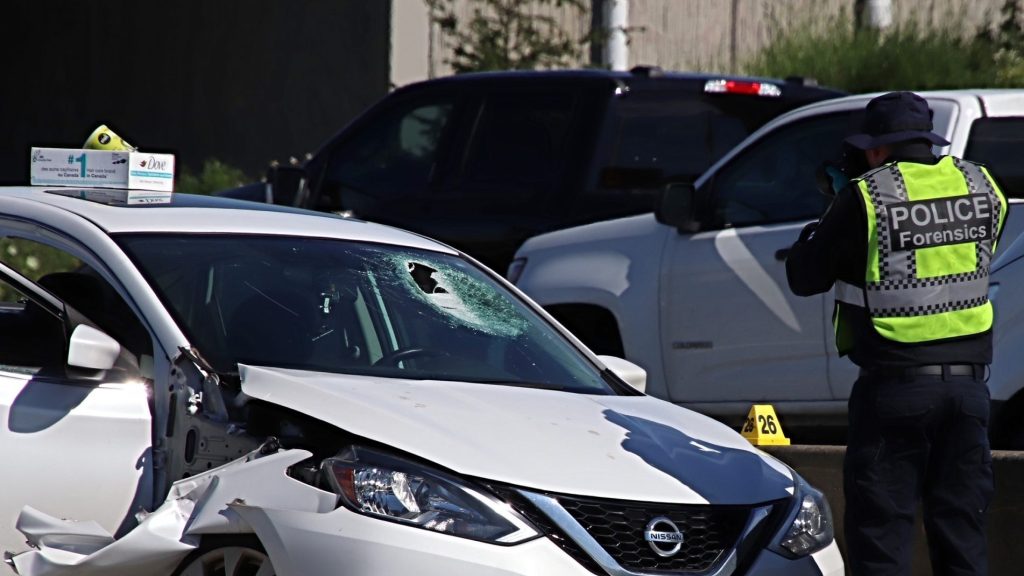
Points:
x=762 y=427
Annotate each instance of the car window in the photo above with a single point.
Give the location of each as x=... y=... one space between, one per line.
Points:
x=31 y=339
x=518 y=147
x=79 y=286
x=999 y=144
x=393 y=156
x=773 y=180
x=354 y=308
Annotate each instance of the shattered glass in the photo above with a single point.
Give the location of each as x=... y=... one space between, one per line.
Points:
x=354 y=308
x=464 y=300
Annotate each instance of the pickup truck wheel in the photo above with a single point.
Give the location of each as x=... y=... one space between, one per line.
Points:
x=596 y=327
x=1011 y=437
x=1006 y=427
x=227 y=557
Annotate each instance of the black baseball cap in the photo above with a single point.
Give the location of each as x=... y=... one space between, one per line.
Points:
x=896 y=117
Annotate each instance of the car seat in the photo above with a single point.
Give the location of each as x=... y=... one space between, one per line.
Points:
x=273 y=326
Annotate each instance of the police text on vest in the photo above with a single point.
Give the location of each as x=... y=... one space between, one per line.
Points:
x=940 y=222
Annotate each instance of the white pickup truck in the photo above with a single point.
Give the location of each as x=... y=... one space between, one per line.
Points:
x=701 y=300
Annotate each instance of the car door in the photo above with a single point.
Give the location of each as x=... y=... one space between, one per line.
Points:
x=732 y=330
x=73 y=443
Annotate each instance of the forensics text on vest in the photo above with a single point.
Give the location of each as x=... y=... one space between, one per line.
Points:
x=939 y=222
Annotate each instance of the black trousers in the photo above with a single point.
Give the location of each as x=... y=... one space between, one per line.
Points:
x=917 y=438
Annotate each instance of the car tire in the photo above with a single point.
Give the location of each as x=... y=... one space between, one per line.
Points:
x=227 y=556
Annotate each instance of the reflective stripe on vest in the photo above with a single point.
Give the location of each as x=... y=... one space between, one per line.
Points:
x=929 y=249
x=850 y=294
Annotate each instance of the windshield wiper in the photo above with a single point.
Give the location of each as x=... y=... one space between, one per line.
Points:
x=522 y=384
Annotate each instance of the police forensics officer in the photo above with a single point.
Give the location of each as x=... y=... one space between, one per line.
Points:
x=907 y=246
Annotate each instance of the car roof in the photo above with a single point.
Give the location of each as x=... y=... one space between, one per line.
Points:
x=158 y=212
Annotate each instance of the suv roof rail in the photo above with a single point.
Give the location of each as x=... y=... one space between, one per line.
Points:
x=647 y=71
x=802 y=80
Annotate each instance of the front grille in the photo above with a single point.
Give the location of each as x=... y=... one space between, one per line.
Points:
x=708 y=531
x=549 y=528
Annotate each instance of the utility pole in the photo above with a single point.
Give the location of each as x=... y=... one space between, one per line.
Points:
x=616 y=21
x=875 y=14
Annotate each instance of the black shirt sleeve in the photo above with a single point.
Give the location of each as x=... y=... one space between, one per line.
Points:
x=833 y=248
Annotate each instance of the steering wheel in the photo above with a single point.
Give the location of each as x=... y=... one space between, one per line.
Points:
x=393 y=358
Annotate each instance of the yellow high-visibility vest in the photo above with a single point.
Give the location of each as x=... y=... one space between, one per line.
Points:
x=932 y=229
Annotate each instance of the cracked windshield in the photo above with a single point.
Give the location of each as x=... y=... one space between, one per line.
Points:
x=354 y=308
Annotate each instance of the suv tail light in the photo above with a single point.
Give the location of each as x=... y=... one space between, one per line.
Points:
x=739 y=87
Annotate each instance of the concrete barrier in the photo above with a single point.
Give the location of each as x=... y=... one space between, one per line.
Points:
x=822 y=466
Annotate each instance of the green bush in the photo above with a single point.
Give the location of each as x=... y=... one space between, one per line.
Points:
x=904 y=58
x=1006 y=42
x=33 y=260
x=214 y=176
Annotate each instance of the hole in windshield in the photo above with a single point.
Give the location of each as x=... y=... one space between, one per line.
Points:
x=464 y=300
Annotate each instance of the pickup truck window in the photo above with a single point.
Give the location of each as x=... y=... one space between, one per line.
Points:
x=389 y=158
x=773 y=180
x=999 y=144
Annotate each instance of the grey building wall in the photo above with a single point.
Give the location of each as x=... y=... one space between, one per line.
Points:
x=245 y=81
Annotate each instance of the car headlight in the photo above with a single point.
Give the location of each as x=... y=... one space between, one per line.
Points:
x=810 y=527
x=391 y=488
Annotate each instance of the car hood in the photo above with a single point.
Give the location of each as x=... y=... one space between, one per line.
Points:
x=622 y=447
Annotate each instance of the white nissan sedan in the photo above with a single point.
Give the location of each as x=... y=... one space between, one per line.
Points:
x=199 y=386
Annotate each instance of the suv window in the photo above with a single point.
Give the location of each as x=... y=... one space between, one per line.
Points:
x=774 y=179
x=392 y=157
x=679 y=135
x=999 y=144
x=518 y=148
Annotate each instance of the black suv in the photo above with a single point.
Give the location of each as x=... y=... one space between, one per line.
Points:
x=485 y=161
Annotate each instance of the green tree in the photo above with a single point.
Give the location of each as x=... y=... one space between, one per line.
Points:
x=507 y=35
x=214 y=176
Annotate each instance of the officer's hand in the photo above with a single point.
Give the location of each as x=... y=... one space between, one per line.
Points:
x=807 y=232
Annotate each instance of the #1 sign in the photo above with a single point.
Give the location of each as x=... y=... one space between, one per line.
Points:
x=102 y=169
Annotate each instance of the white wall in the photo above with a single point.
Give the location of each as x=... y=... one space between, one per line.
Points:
x=410 y=42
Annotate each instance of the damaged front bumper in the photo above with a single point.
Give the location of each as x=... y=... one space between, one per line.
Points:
x=303 y=531
x=197 y=506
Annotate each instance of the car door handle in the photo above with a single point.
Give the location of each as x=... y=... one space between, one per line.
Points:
x=781 y=254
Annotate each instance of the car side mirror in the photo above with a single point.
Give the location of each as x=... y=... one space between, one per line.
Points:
x=92 y=349
x=286 y=182
x=630 y=373
x=677 y=207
